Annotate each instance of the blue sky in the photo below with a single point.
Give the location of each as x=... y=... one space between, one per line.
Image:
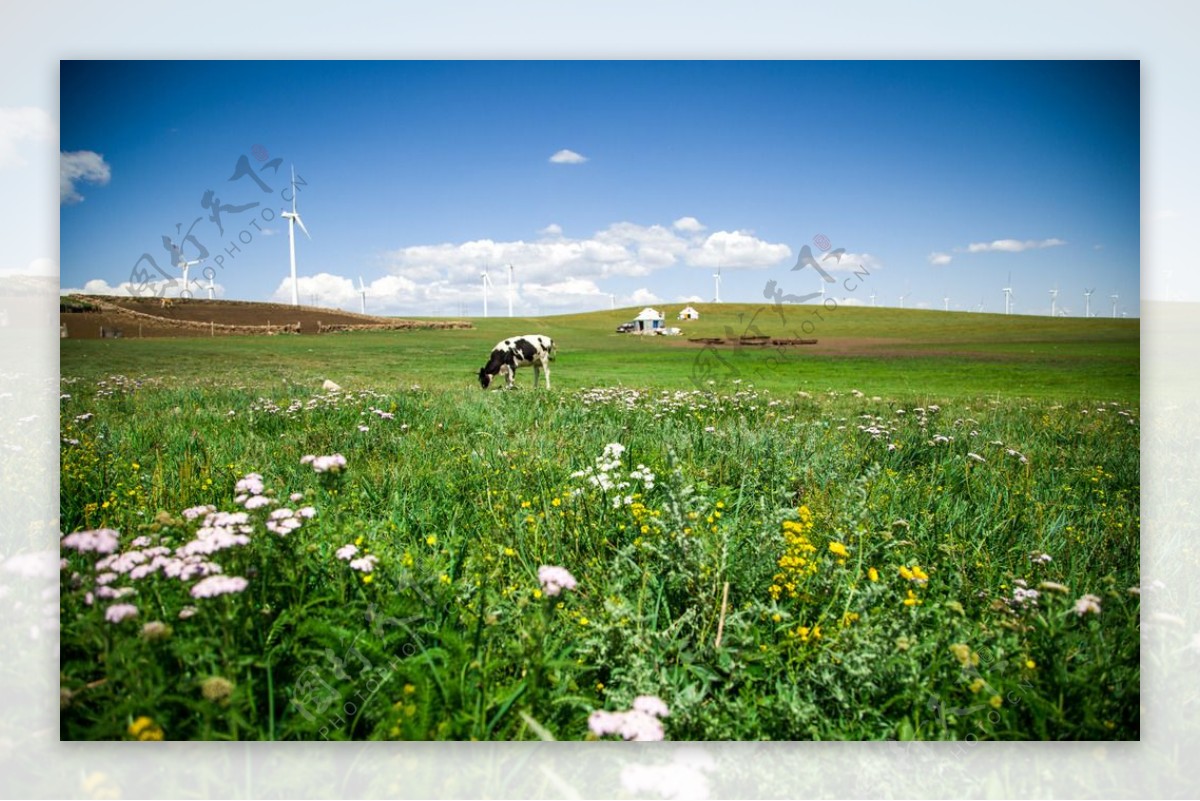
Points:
x=939 y=178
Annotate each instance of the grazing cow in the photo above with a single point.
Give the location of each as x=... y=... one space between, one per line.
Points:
x=515 y=352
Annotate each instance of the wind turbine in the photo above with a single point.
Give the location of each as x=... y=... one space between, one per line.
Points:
x=1008 y=295
x=211 y=286
x=1115 y=297
x=822 y=293
x=872 y=298
x=902 y=297
x=362 y=293
x=293 y=218
x=510 y=289
x=487 y=282
x=717 y=285
x=1054 y=302
x=1087 y=302
x=945 y=303
x=979 y=308
x=184 y=264
x=613 y=297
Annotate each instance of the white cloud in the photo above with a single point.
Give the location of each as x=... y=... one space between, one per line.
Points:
x=1013 y=245
x=46 y=268
x=328 y=290
x=171 y=289
x=567 y=157
x=642 y=297
x=690 y=299
x=81 y=165
x=553 y=229
x=23 y=124
x=621 y=249
x=689 y=224
x=737 y=249
x=938 y=259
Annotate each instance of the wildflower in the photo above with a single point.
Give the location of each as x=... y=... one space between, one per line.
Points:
x=155 y=630
x=976 y=457
x=346 y=552
x=1088 y=603
x=325 y=464
x=252 y=484
x=1041 y=558
x=912 y=599
x=965 y=656
x=1053 y=586
x=118 y=612
x=213 y=586
x=216 y=688
x=296 y=496
x=872 y=574
x=555 y=579
x=914 y=573
x=256 y=501
x=306 y=511
x=186 y=612
x=996 y=701
x=101 y=540
x=144 y=728
x=838 y=549
x=364 y=565
x=1030 y=664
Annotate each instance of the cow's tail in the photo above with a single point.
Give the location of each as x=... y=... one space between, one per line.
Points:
x=553 y=349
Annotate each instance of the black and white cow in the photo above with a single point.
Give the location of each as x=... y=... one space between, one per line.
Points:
x=508 y=355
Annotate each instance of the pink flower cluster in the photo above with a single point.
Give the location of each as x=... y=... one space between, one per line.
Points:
x=555 y=579
x=364 y=564
x=218 y=585
x=325 y=464
x=1088 y=604
x=101 y=540
x=642 y=722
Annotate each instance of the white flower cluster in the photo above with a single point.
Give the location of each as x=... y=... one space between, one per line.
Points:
x=606 y=475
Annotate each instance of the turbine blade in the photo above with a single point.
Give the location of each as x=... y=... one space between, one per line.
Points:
x=300 y=223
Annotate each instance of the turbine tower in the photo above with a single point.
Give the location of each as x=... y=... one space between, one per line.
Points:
x=717 y=285
x=1008 y=295
x=510 y=289
x=184 y=264
x=1054 y=302
x=362 y=295
x=1087 y=302
x=945 y=303
x=872 y=298
x=211 y=285
x=487 y=282
x=613 y=298
x=1115 y=297
x=902 y=297
x=293 y=218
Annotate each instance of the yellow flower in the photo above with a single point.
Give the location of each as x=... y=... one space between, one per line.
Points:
x=873 y=574
x=135 y=465
x=443 y=578
x=509 y=552
x=537 y=593
x=367 y=578
x=777 y=617
x=995 y=701
x=144 y=728
x=431 y=539
x=838 y=549
x=409 y=689
x=1029 y=663
x=977 y=685
x=912 y=599
x=849 y=618
x=556 y=502
x=965 y=656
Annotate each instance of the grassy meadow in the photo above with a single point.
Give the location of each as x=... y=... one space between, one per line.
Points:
x=924 y=527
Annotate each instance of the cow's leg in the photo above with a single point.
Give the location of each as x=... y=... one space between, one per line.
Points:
x=508 y=376
x=536 y=366
x=546 y=372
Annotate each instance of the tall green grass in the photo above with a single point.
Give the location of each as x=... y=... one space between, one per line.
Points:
x=461 y=495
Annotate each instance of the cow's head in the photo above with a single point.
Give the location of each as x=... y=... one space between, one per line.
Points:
x=485 y=378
